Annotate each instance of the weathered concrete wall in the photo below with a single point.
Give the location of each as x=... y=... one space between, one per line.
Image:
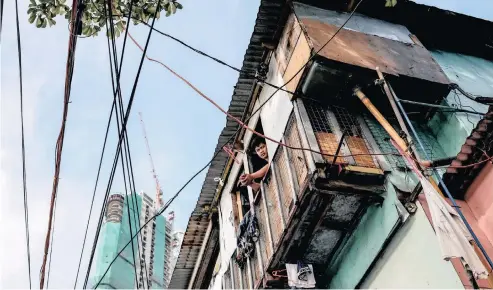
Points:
x=275 y=113
x=479 y=197
x=474 y=75
x=413 y=260
x=366 y=242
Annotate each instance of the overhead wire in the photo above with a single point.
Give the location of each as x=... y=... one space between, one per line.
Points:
x=23 y=146
x=76 y=15
x=232 y=136
x=127 y=113
x=126 y=145
x=51 y=247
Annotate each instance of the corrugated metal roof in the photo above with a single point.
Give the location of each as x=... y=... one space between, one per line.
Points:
x=369 y=51
x=267 y=25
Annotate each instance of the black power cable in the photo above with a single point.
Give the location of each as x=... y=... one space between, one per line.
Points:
x=231 y=138
x=127 y=114
x=23 y=147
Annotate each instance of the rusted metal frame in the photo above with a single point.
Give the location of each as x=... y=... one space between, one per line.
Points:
x=292 y=181
x=379 y=159
x=278 y=194
x=267 y=219
x=338 y=148
x=310 y=139
x=389 y=92
x=336 y=127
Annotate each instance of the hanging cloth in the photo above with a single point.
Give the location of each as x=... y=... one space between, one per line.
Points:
x=453 y=237
x=294 y=275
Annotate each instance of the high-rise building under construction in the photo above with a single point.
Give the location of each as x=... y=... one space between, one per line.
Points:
x=145 y=263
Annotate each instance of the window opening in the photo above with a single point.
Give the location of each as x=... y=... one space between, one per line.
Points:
x=258 y=157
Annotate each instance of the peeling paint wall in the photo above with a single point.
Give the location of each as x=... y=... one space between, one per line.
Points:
x=413 y=260
x=227 y=233
x=366 y=242
x=358 y=22
x=275 y=113
x=474 y=75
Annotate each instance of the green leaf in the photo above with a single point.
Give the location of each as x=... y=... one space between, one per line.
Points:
x=178 y=5
x=51 y=22
x=39 y=22
x=390 y=3
x=33 y=2
x=158 y=14
x=31 y=10
x=168 y=13
x=45 y=22
x=151 y=10
x=32 y=18
x=173 y=8
x=120 y=26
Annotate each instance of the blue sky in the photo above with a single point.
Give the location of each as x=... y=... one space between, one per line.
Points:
x=182 y=127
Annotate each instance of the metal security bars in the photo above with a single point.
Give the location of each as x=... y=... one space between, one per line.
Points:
x=329 y=123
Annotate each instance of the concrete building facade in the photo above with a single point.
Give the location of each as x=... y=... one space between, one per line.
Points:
x=124 y=215
x=348 y=204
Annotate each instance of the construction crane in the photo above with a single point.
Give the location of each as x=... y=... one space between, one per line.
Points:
x=158 y=202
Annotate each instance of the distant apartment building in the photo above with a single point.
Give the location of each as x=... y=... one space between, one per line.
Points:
x=123 y=216
x=348 y=211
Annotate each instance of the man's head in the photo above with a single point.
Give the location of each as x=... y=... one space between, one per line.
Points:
x=258 y=144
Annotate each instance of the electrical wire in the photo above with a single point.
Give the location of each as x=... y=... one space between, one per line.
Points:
x=94 y=192
x=76 y=15
x=126 y=148
x=127 y=113
x=231 y=138
x=51 y=247
x=23 y=147
x=206 y=55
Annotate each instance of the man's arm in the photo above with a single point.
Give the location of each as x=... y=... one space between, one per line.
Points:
x=261 y=172
x=246 y=179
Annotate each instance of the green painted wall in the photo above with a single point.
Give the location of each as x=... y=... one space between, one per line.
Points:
x=365 y=243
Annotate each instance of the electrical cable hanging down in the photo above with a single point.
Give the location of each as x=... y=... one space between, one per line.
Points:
x=243 y=125
x=232 y=136
x=121 y=135
x=23 y=147
x=104 y=143
x=75 y=18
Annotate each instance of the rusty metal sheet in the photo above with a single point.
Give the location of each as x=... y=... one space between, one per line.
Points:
x=369 y=51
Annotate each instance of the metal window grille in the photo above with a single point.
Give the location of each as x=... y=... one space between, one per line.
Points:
x=265 y=251
x=275 y=213
x=285 y=188
x=322 y=127
x=355 y=140
x=381 y=137
x=296 y=157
